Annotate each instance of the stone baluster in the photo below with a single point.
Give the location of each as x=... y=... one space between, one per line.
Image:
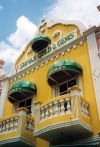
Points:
x=1 y=127
x=12 y=124
x=51 y=109
x=4 y=127
x=15 y=122
x=7 y=125
x=68 y=105
x=62 y=108
x=56 y=108
x=42 y=113
x=47 y=111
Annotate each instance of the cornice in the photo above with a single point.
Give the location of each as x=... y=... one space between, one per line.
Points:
x=98 y=34
x=91 y=30
x=51 y=23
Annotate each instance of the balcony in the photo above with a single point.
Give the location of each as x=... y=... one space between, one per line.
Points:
x=17 y=130
x=63 y=117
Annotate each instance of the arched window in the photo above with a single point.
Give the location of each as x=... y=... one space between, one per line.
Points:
x=21 y=94
x=62 y=75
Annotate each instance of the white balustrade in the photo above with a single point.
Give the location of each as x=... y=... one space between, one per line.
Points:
x=8 y=125
x=11 y=124
x=62 y=107
x=56 y=108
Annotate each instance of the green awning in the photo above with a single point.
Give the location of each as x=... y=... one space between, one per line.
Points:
x=21 y=90
x=40 y=42
x=63 y=70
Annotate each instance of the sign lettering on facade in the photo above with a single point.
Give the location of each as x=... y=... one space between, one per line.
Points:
x=60 y=43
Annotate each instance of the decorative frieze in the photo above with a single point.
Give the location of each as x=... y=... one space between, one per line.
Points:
x=45 y=59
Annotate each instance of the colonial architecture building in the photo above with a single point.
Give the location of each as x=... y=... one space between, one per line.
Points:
x=51 y=98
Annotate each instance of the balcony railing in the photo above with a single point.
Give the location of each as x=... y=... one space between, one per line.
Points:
x=9 y=124
x=63 y=106
x=17 y=125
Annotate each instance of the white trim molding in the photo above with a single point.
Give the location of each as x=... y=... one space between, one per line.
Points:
x=17 y=139
x=57 y=126
x=3 y=96
x=51 y=23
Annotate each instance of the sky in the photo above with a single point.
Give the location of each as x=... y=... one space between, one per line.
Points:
x=19 y=20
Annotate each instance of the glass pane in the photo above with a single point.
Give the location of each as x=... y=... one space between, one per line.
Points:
x=29 y=110
x=22 y=104
x=28 y=102
x=72 y=83
x=63 y=89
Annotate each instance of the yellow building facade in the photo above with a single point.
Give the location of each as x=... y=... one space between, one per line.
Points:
x=51 y=98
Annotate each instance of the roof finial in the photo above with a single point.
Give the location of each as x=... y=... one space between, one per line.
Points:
x=43 y=18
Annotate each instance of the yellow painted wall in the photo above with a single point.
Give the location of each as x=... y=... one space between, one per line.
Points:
x=39 y=76
x=41 y=143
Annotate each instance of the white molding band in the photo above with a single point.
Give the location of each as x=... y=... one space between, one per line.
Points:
x=17 y=139
x=63 y=124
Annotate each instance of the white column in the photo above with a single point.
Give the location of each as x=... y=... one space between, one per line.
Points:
x=4 y=93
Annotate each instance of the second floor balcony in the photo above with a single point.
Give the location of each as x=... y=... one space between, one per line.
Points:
x=63 y=117
x=17 y=130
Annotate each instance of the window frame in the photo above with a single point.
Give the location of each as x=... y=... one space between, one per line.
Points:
x=56 y=88
x=16 y=105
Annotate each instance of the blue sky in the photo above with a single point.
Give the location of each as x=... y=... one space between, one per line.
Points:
x=19 y=20
x=13 y=9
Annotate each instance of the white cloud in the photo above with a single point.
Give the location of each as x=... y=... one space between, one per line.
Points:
x=24 y=33
x=7 y=52
x=83 y=10
x=10 y=49
x=1 y=7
